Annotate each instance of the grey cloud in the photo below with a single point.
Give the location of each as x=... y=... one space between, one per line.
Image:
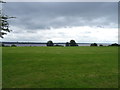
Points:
x=40 y=15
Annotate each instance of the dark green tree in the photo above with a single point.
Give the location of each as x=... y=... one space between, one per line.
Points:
x=4 y=25
x=100 y=45
x=94 y=44
x=67 y=44
x=73 y=43
x=13 y=45
x=50 y=43
x=115 y=44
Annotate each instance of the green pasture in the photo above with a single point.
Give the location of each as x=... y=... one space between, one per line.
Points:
x=60 y=67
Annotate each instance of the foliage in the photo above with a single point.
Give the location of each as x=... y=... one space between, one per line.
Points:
x=67 y=44
x=71 y=43
x=13 y=45
x=4 y=25
x=3 y=45
x=50 y=43
x=94 y=44
x=100 y=45
x=115 y=44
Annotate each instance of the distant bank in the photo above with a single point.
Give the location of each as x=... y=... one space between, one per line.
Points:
x=44 y=44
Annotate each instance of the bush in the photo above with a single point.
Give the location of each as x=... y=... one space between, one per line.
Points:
x=94 y=44
x=73 y=43
x=13 y=45
x=115 y=44
x=2 y=45
x=67 y=44
x=100 y=45
x=50 y=43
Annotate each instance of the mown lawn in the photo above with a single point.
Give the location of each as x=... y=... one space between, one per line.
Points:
x=60 y=67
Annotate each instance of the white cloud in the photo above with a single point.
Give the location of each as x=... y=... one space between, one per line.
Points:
x=79 y=34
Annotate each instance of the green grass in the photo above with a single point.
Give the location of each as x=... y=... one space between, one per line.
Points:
x=60 y=67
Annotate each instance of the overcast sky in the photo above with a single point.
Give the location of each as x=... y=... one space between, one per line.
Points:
x=63 y=21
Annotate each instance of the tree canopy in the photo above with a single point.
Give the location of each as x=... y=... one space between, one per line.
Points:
x=67 y=44
x=50 y=43
x=4 y=25
x=73 y=43
x=94 y=44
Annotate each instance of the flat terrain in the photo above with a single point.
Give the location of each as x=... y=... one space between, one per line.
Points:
x=60 y=67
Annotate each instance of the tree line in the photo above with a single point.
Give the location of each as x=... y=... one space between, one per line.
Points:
x=71 y=43
x=50 y=43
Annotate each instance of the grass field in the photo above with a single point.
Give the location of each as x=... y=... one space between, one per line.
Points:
x=60 y=67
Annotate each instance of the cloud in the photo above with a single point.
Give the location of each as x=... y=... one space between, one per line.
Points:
x=32 y=15
x=79 y=34
x=42 y=21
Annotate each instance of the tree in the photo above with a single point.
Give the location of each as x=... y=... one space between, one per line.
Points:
x=13 y=45
x=67 y=44
x=73 y=43
x=4 y=25
x=2 y=45
x=94 y=44
x=100 y=45
x=115 y=44
x=50 y=43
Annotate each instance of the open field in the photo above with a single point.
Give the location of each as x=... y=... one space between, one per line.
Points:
x=60 y=67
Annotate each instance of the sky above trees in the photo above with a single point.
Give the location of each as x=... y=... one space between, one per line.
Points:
x=63 y=21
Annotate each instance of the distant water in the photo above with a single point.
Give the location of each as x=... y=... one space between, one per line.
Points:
x=80 y=44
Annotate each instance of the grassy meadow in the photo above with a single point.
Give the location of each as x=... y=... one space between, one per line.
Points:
x=60 y=67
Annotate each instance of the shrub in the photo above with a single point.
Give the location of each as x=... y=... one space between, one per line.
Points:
x=13 y=45
x=100 y=45
x=94 y=44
